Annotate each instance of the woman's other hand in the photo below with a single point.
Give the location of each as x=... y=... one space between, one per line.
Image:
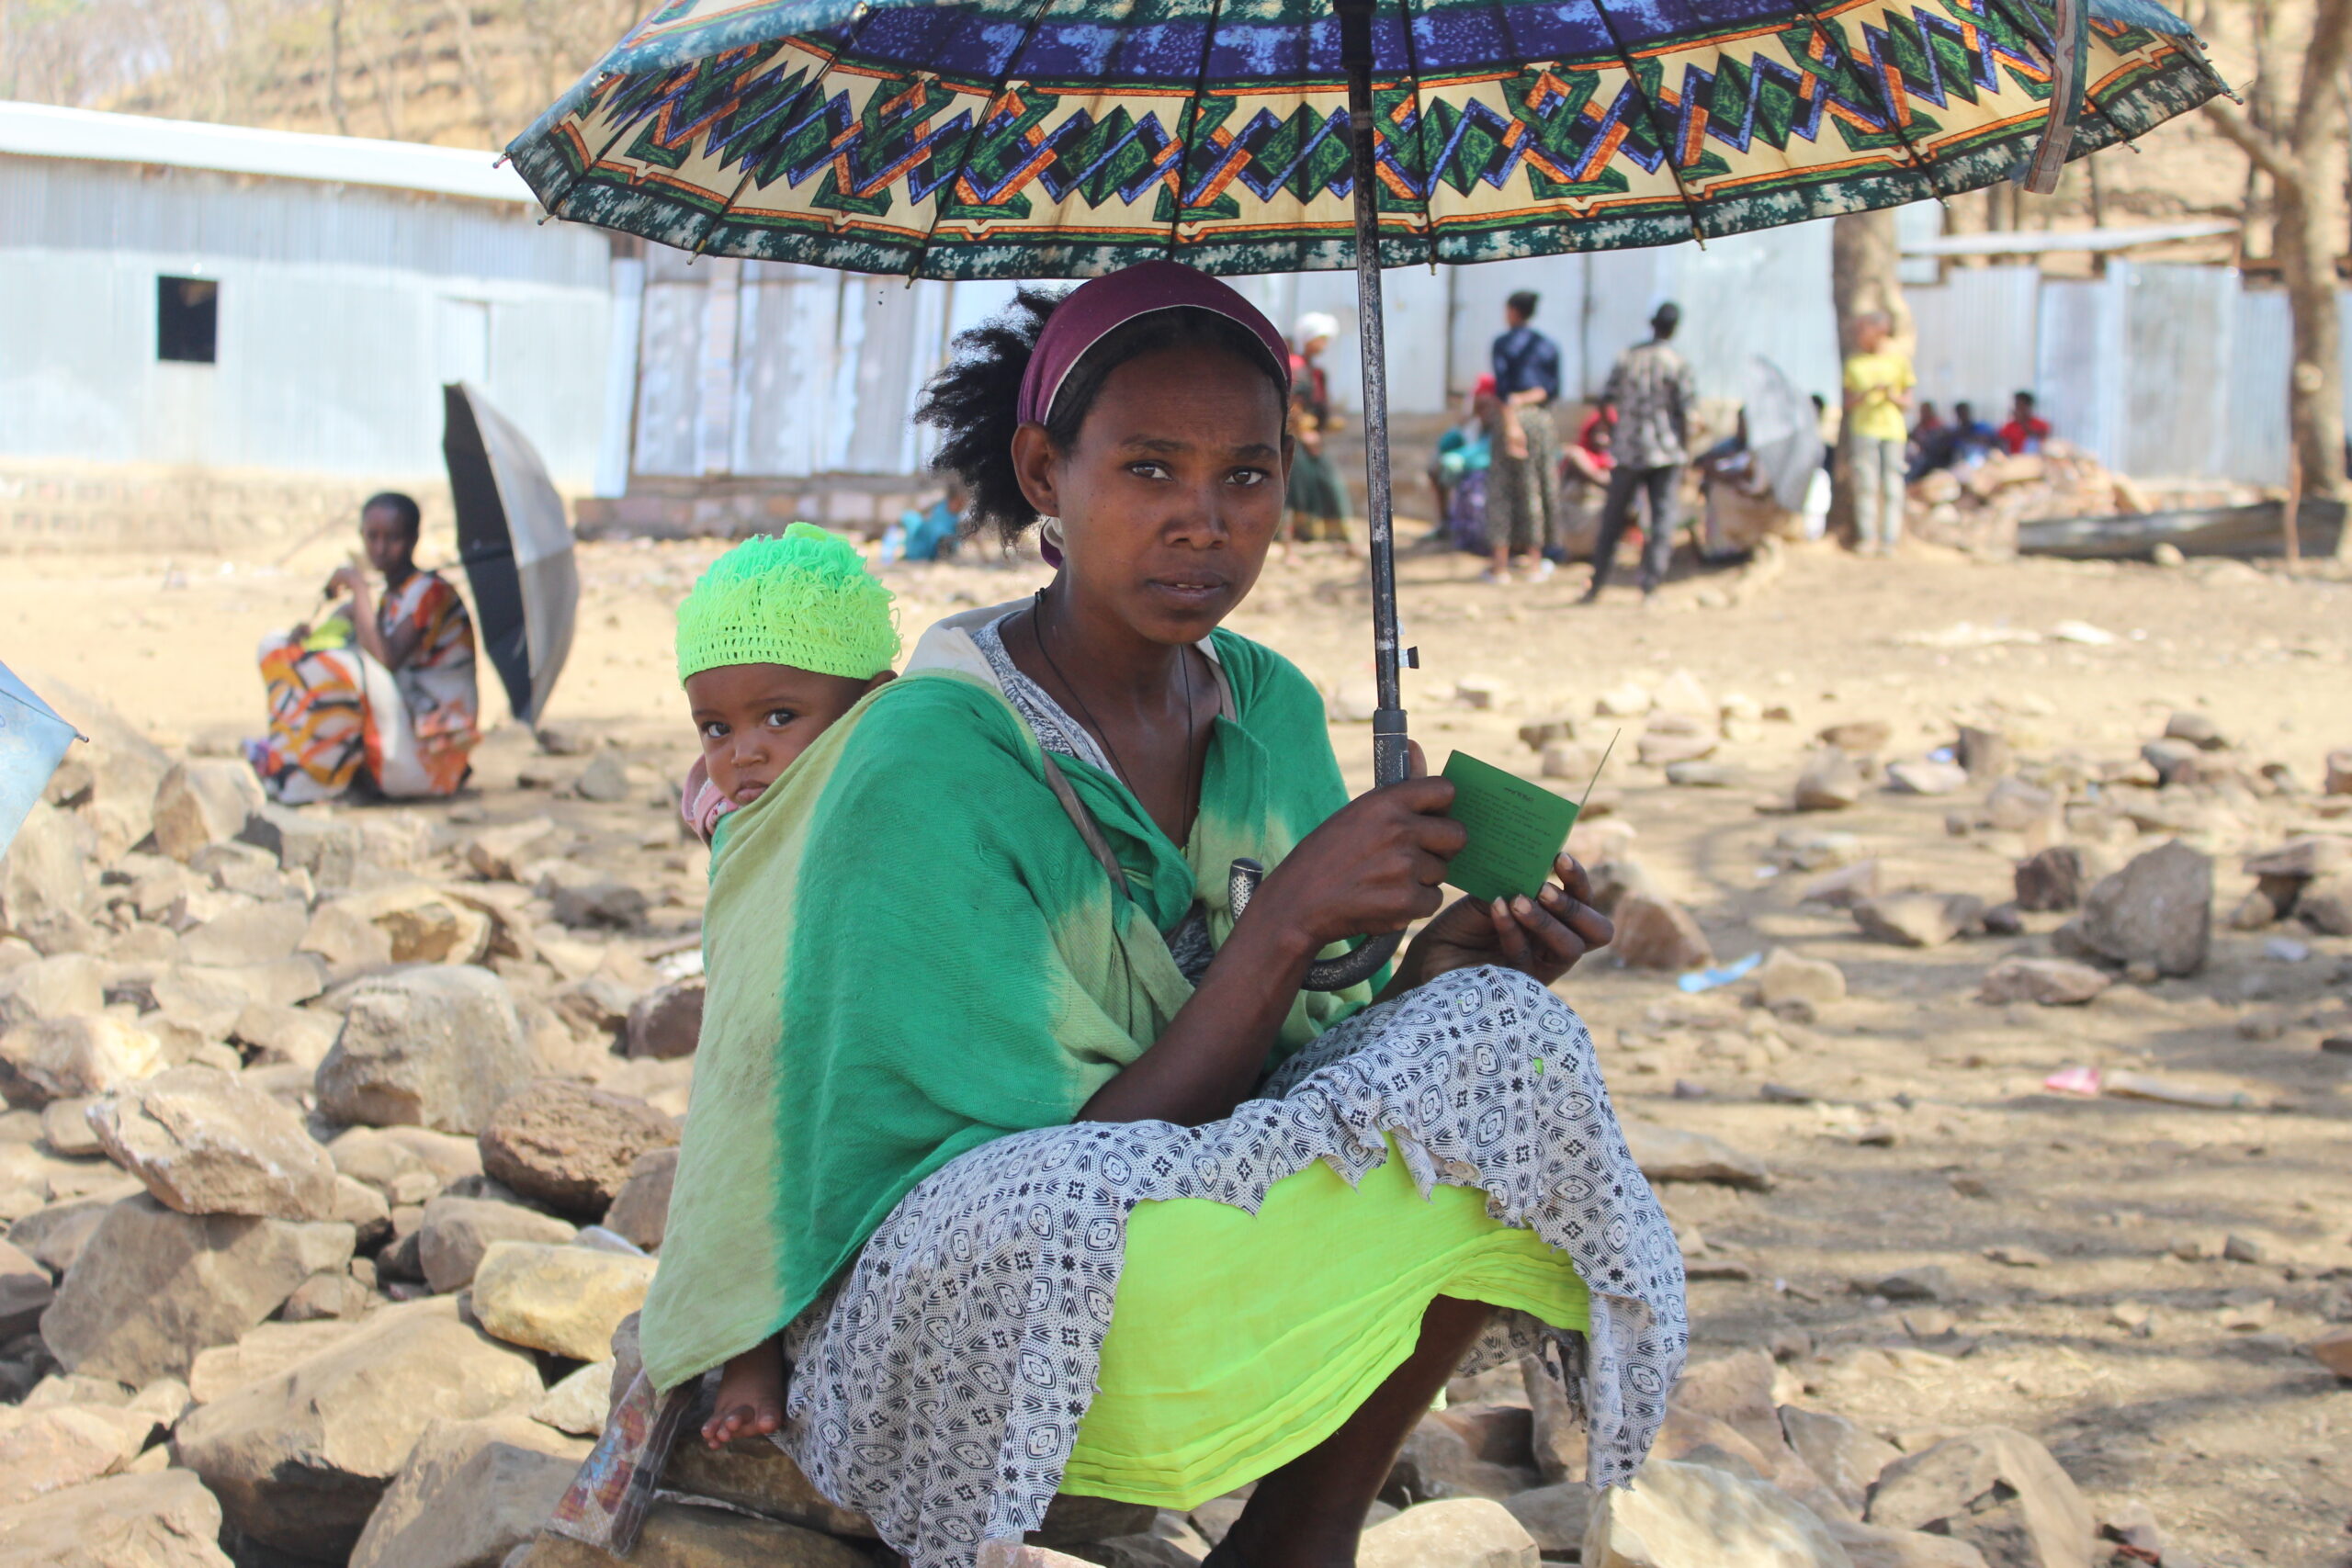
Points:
x=1373 y=867
x=347 y=579
x=1542 y=936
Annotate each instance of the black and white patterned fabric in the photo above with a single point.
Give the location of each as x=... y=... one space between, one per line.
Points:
x=940 y=1386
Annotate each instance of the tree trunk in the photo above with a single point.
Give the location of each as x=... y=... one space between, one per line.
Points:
x=1864 y=255
x=2303 y=238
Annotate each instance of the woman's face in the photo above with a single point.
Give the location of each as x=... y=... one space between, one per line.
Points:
x=1171 y=493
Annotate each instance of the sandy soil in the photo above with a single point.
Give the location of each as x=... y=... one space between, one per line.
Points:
x=1928 y=1139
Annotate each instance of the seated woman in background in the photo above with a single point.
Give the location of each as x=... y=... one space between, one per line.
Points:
x=381 y=694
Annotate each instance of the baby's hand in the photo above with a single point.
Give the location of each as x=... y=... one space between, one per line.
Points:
x=750 y=1397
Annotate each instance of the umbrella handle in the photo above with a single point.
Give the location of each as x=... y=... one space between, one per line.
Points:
x=1350 y=968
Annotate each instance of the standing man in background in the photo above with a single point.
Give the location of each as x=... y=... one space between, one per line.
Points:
x=1654 y=393
x=1523 y=468
x=1877 y=402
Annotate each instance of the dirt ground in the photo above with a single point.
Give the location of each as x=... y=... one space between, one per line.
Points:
x=1908 y=1126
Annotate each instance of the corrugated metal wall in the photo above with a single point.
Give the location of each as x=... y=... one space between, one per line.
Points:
x=2161 y=371
x=773 y=371
x=342 y=311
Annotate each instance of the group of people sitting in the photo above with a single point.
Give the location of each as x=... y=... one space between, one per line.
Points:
x=1964 y=441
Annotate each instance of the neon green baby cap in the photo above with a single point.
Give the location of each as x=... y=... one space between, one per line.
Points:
x=803 y=598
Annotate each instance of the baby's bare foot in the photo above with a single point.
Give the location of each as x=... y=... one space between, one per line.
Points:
x=750 y=1397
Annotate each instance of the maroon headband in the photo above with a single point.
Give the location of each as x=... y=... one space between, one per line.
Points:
x=1100 y=306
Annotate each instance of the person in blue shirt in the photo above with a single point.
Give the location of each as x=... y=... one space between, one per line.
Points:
x=1524 y=513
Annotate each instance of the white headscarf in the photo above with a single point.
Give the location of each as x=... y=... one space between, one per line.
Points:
x=1315 y=324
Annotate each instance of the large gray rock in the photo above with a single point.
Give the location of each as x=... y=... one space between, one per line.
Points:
x=45 y=881
x=1695 y=1515
x=469 y=1493
x=25 y=1291
x=1844 y=1454
x=299 y=1460
x=1441 y=1457
x=571 y=1146
x=1873 y=1546
x=250 y=933
x=206 y=1143
x=75 y=1056
x=2052 y=880
x=152 y=1287
x=563 y=1300
x=1672 y=1153
x=1829 y=781
x=455 y=1232
x=667 y=1020
x=60 y=985
x=1461 y=1532
x=641 y=1210
x=678 y=1536
x=437 y=1047
x=753 y=1475
x=1995 y=1488
x=329 y=849
x=200 y=804
x=52 y=1447
x=2157 y=911
x=2326 y=905
x=2051 y=982
x=1918 y=919
x=271 y=1347
x=1655 y=932
x=1553 y=1515
x=1786 y=976
x=166 y=1520
x=55 y=1233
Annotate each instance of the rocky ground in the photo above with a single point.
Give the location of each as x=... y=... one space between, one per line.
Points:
x=2012 y=1174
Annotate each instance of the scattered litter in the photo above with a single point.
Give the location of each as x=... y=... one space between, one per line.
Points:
x=1723 y=974
x=2285 y=949
x=2073 y=1080
x=2084 y=633
x=2140 y=1086
x=1766 y=873
x=680 y=965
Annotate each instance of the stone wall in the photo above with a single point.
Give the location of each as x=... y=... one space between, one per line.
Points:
x=50 y=508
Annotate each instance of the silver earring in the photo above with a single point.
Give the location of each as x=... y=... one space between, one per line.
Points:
x=1050 y=529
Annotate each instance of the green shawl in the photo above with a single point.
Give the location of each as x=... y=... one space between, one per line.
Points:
x=911 y=951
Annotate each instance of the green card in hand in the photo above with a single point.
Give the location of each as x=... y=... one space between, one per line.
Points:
x=1515 y=828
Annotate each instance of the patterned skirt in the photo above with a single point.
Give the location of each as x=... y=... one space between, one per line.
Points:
x=1523 y=508
x=940 y=1387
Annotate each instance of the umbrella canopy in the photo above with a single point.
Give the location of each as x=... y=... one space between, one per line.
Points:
x=516 y=545
x=32 y=742
x=1783 y=432
x=1063 y=138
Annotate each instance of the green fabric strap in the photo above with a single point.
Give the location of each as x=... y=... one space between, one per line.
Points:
x=910 y=951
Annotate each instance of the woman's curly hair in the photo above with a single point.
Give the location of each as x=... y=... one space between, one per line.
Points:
x=974 y=400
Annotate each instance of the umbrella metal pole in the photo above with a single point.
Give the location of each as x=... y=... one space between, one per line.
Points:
x=1390 y=757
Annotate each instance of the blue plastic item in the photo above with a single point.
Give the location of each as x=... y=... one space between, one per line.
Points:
x=1723 y=975
x=32 y=741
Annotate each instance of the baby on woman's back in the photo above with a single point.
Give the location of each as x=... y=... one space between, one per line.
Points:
x=777 y=640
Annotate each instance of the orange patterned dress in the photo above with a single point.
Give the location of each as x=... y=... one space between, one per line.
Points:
x=333 y=709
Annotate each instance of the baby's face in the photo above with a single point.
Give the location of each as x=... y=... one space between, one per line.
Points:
x=756 y=719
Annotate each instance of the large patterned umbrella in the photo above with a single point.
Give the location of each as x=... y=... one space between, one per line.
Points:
x=1065 y=138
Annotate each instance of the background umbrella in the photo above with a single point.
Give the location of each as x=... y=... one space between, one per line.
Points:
x=32 y=742
x=1064 y=138
x=1783 y=432
x=517 y=545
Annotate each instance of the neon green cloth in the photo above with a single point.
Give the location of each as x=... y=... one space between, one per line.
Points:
x=911 y=951
x=803 y=598
x=1239 y=1342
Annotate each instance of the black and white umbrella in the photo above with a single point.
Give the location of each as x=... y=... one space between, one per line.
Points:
x=517 y=545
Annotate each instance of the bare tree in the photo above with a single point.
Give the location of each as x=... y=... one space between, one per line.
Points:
x=2303 y=158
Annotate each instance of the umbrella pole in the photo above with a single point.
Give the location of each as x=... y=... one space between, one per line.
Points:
x=1390 y=754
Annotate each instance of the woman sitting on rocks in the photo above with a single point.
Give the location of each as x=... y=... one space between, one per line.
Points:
x=1016 y=1163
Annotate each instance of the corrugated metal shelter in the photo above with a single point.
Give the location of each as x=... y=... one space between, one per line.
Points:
x=218 y=297
x=759 y=371
x=2160 y=370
